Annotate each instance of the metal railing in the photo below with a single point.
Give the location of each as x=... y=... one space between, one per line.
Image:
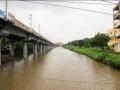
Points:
x=17 y=23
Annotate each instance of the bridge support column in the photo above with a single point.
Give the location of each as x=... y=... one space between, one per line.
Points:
x=48 y=47
x=44 y=48
x=35 y=48
x=11 y=49
x=25 y=50
x=0 y=52
x=41 y=48
x=38 y=47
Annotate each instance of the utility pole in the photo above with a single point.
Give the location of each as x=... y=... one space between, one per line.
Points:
x=39 y=28
x=30 y=21
x=6 y=8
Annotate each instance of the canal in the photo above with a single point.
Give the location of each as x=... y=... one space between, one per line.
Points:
x=58 y=69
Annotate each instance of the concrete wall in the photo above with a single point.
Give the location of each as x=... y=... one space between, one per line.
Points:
x=117 y=47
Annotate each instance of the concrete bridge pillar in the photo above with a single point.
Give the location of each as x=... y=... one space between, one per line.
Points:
x=44 y=48
x=47 y=47
x=25 y=50
x=35 y=48
x=38 y=48
x=41 y=48
x=11 y=49
x=0 y=52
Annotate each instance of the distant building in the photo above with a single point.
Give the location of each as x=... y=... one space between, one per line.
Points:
x=115 y=33
x=59 y=43
x=114 y=42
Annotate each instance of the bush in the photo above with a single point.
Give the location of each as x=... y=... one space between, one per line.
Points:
x=102 y=57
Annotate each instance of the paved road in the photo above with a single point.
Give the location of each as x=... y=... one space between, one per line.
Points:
x=59 y=69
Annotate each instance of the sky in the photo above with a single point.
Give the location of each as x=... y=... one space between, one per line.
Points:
x=61 y=24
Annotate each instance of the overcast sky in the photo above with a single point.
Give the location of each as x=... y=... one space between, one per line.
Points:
x=61 y=24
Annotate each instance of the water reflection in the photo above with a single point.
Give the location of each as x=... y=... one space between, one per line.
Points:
x=59 y=69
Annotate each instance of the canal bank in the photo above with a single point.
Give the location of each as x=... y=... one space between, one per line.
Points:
x=105 y=56
x=59 y=69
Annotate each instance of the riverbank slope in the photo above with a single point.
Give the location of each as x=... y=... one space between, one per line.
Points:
x=105 y=56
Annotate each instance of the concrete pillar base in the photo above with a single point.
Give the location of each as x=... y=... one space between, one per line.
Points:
x=38 y=47
x=44 y=48
x=11 y=49
x=25 y=50
x=35 y=48
x=41 y=48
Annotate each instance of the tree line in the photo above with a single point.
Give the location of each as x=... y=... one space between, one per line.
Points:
x=100 y=40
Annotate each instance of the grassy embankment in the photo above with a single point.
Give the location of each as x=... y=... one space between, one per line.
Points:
x=105 y=56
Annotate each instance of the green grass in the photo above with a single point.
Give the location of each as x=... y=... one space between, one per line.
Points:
x=105 y=56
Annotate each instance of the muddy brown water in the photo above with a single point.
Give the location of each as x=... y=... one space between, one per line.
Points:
x=59 y=69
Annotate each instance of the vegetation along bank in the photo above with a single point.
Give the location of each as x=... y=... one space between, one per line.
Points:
x=97 y=49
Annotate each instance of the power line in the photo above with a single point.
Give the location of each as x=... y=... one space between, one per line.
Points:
x=72 y=8
x=90 y=3
x=76 y=1
x=67 y=0
x=109 y=1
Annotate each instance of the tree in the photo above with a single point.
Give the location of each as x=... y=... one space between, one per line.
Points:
x=75 y=43
x=80 y=43
x=87 y=42
x=100 y=40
